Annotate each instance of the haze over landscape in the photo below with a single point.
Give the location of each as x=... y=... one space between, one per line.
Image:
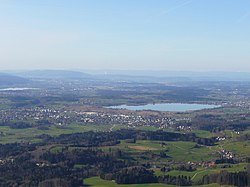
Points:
x=124 y=93
x=174 y=35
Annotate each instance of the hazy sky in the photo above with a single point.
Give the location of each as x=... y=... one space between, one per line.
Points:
x=197 y=35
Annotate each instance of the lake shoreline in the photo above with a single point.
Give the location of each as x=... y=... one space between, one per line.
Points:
x=171 y=107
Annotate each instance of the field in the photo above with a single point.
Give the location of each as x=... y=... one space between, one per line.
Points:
x=142 y=148
x=200 y=172
x=9 y=135
x=240 y=148
x=178 y=151
x=97 y=182
x=142 y=151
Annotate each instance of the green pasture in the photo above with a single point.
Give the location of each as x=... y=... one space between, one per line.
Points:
x=97 y=182
x=204 y=134
x=200 y=172
x=176 y=150
x=9 y=135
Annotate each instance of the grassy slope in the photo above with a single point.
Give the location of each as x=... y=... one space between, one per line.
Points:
x=179 y=151
x=97 y=182
x=200 y=172
x=17 y=135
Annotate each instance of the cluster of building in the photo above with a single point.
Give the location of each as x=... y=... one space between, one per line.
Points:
x=34 y=113
x=131 y=120
x=4 y=161
x=65 y=117
x=226 y=154
x=220 y=138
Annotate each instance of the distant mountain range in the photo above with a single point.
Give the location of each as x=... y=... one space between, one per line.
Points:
x=8 y=80
x=175 y=75
x=23 y=77
x=54 y=74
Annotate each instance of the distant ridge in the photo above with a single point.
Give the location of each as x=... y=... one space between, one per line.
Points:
x=54 y=74
x=8 y=80
x=176 y=75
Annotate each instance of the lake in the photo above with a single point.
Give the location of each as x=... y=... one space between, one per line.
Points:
x=17 y=89
x=172 y=107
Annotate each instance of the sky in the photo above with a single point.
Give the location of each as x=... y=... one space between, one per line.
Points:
x=171 y=35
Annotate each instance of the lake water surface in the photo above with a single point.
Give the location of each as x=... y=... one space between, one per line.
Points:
x=173 y=107
x=16 y=89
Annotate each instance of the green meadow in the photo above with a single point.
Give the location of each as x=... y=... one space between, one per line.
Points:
x=97 y=182
x=9 y=135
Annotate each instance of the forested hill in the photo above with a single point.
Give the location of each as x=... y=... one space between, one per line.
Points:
x=6 y=80
x=54 y=74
